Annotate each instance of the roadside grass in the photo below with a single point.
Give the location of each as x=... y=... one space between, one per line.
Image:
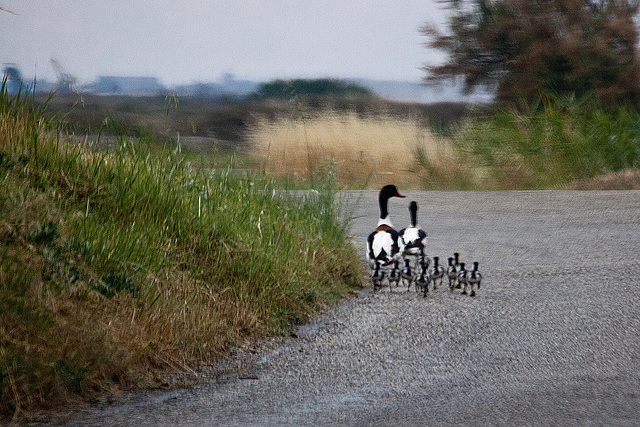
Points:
x=359 y=150
x=625 y=179
x=551 y=144
x=119 y=265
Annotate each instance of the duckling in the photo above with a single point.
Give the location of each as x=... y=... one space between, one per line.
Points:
x=407 y=273
x=475 y=278
x=437 y=273
x=377 y=277
x=424 y=278
x=462 y=278
x=394 y=275
x=423 y=265
x=384 y=245
x=452 y=274
x=456 y=263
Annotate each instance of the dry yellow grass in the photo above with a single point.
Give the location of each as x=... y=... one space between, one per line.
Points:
x=361 y=151
x=626 y=179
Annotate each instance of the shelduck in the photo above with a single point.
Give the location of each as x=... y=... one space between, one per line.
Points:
x=377 y=276
x=384 y=245
x=394 y=275
x=407 y=273
x=456 y=263
x=413 y=237
x=462 y=278
x=474 y=278
x=437 y=273
x=452 y=274
x=424 y=278
x=422 y=269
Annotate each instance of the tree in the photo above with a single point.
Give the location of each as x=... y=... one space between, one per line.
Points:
x=522 y=48
x=285 y=89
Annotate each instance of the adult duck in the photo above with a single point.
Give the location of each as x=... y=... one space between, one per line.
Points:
x=413 y=237
x=384 y=245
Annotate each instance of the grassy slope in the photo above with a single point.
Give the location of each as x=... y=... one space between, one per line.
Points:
x=117 y=266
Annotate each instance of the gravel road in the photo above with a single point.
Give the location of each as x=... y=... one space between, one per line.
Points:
x=551 y=339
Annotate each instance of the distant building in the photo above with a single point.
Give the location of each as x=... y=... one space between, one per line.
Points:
x=13 y=78
x=134 y=86
x=228 y=85
x=200 y=90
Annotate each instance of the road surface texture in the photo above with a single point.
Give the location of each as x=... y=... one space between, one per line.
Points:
x=553 y=337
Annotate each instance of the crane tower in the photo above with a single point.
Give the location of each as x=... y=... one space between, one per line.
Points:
x=66 y=80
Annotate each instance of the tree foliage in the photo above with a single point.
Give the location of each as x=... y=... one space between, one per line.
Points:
x=285 y=89
x=523 y=48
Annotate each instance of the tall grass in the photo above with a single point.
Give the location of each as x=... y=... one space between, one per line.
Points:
x=551 y=143
x=116 y=266
x=361 y=150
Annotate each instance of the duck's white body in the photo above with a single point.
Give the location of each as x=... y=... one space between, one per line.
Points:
x=384 y=245
x=414 y=239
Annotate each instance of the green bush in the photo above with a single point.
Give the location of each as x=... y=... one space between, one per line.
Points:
x=286 y=89
x=553 y=142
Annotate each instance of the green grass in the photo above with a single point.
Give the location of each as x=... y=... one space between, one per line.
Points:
x=118 y=265
x=554 y=143
x=551 y=143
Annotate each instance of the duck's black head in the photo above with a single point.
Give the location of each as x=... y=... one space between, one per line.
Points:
x=387 y=192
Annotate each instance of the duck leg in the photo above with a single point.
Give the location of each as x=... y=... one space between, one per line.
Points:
x=426 y=290
x=377 y=277
x=394 y=275
x=406 y=274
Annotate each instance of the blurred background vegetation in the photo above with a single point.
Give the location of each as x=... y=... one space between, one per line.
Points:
x=566 y=78
x=524 y=48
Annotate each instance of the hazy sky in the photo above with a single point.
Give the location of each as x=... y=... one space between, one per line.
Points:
x=186 y=41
